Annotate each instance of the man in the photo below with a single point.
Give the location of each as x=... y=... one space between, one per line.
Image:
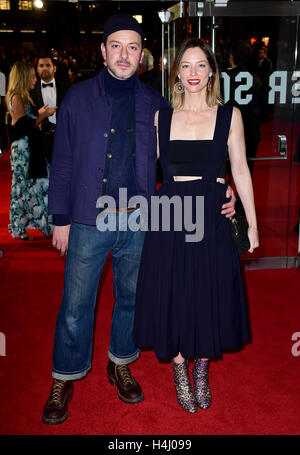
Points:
x=48 y=90
x=151 y=75
x=105 y=140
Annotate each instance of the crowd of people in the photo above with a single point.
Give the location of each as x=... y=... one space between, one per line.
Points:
x=75 y=62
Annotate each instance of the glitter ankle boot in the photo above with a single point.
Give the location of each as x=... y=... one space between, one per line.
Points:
x=184 y=391
x=201 y=385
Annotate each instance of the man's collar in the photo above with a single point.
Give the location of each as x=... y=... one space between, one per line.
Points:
x=99 y=89
x=50 y=82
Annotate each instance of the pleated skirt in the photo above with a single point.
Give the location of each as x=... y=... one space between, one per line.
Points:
x=190 y=294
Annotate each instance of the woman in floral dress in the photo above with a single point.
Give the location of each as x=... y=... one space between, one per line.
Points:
x=29 y=191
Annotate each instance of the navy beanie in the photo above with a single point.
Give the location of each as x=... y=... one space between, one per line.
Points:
x=121 y=22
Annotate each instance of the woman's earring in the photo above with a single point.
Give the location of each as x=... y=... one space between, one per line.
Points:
x=209 y=83
x=179 y=87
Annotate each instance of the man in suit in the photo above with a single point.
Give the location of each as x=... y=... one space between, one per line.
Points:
x=105 y=140
x=48 y=90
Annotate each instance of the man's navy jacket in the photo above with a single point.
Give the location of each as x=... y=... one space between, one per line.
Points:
x=80 y=144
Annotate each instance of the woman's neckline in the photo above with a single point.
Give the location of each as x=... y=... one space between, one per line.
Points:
x=214 y=134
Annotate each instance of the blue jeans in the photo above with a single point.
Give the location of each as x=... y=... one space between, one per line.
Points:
x=88 y=249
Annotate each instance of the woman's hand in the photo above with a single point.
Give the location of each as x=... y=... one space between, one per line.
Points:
x=46 y=111
x=50 y=110
x=253 y=238
x=43 y=109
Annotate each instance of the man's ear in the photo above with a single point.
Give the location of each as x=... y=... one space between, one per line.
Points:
x=142 y=57
x=103 y=50
x=55 y=68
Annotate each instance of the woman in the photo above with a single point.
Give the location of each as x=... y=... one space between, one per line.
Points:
x=29 y=192
x=190 y=302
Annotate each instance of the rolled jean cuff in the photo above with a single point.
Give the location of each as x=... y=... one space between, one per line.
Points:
x=71 y=376
x=123 y=361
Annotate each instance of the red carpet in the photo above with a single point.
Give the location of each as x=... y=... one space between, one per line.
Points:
x=255 y=391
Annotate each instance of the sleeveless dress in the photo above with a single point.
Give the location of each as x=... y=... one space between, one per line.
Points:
x=190 y=295
x=29 y=196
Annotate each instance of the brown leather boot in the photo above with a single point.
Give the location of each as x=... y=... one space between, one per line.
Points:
x=56 y=407
x=129 y=390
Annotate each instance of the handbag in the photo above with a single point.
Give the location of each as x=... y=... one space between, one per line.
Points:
x=239 y=232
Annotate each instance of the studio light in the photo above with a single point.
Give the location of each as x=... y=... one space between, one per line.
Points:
x=266 y=40
x=38 y=4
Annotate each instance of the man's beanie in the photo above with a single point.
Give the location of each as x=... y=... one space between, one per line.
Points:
x=121 y=22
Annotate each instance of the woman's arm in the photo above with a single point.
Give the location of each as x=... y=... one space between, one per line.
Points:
x=19 y=111
x=241 y=174
x=43 y=113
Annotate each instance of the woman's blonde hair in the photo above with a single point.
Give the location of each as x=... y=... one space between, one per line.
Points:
x=18 y=82
x=213 y=96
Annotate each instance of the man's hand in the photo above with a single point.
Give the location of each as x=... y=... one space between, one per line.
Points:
x=228 y=208
x=60 y=238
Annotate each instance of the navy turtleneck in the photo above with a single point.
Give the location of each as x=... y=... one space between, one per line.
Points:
x=118 y=87
x=119 y=168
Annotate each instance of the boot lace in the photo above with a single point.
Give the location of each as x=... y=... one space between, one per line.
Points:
x=56 y=392
x=125 y=374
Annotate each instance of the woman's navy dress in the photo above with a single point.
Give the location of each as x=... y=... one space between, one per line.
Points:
x=190 y=297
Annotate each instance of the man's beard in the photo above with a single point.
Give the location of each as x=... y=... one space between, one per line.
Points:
x=117 y=76
x=46 y=75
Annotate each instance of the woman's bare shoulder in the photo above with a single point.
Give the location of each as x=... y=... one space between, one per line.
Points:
x=17 y=102
x=236 y=112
